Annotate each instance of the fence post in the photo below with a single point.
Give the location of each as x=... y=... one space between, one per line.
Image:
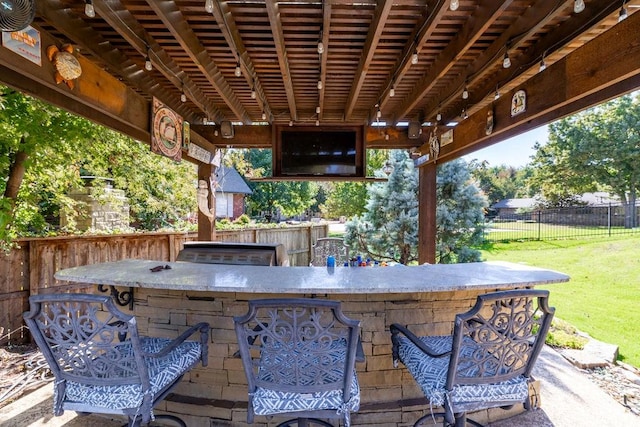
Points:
x=609 y=219
x=539 y=225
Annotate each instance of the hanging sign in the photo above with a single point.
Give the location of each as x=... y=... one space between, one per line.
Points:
x=166 y=131
x=518 y=103
x=199 y=153
x=25 y=43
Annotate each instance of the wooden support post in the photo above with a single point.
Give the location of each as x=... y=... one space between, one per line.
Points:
x=427 y=214
x=206 y=228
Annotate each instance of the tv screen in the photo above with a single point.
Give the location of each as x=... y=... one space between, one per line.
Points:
x=313 y=152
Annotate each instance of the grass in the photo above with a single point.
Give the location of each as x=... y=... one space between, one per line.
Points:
x=526 y=230
x=603 y=296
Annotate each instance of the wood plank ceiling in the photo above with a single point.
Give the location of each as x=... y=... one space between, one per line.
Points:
x=410 y=60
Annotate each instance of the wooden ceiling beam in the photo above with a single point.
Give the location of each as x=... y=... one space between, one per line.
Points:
x=326 y=30
x=229 y=29
x=485 y=14
x=506 y=79
x=75 y=29
x=423 y=34
x=373 y=37
x=173 y=19
x=589 y=75
x=128 y=27
x=278 y=37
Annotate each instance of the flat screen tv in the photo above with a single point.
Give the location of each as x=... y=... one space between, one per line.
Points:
x=312 y=152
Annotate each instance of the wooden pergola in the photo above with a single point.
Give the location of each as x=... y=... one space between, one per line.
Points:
x=408 y=64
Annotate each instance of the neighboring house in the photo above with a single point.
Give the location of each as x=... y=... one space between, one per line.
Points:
x=508 y=208
x=231 y=190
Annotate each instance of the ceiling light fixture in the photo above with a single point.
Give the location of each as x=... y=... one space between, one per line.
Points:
x=623 y=13
x=147 y=62
x=238 y=71
x=208 y=6
x=578 y=6
x=506 y=62
x=89 y=10
x=414 y=57
x=454 y=5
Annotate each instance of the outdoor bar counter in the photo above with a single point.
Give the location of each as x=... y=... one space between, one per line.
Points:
x=426 y=298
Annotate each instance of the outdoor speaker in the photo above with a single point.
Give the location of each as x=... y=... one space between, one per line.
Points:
x=226 y=129
x=414 y=130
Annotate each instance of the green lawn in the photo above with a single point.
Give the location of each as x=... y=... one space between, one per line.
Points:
x=603 y=296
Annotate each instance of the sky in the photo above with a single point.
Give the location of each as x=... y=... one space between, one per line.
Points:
x=516 y=151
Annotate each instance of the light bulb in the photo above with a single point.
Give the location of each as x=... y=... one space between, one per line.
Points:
x=438 y=116
x=379 y=113
x=208 y=6
x=543 y=65
x=147 y=64
x=464 y=114
x=264 y=116
x=623 y=13
x=465 y=93
x=454 y=5
x=215 y=132
x=578 y=6
x=317 y=122
x=318 y=109
x=89 y=10
x=386 y=136
x=290 y=123
x=506 y=62
x=392 y=92
x=238 y=71
x=183 y=97
x=320 y=47
x=319 y=84
x=253 y=93
x=496 y=95
x=414 y=58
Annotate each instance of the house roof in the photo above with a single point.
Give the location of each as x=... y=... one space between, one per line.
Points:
x=514 y=203
x=230 y=181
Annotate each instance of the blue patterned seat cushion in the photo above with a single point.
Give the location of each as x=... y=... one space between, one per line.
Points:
x=323 y=366
x=162 y=372
x=431 y=374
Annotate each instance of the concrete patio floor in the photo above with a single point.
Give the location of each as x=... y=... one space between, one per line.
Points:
x=569 y=399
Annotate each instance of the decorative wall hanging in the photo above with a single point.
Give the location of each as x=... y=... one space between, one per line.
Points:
x=446 y=138
x=166 y=131
x=488 y=130
x=186 y=135
x=434 y=144
x=66 y=65
x=518 y=103
x=25 y=43
x=203 y=200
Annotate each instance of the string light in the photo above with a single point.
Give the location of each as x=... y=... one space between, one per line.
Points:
x=320 y=47
x=506 y=62
x=290 y=123
x=578 y=6
x=392 y=91
x=253 y=93
x=238 y=71
x=379 y=113
x=147 y=62
x=623 y=13
x=89 y=10
x=317 y=122
x=464 y=114
x=183 y=96
x=465 y=92
x=543 y=65
x=414 y=57
x=208 y=6
x=496 y=95
x=318 y=109
x=319 y=84
x=264 y=116
x=454 y=5
x=439 y=115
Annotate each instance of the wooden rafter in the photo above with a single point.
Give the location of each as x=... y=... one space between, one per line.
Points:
x=375 y=30
x=326 y=29
x=278 y=37
x=174 y=21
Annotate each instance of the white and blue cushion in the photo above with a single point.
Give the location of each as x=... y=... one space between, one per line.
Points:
x=162 y=372
x=431 y=374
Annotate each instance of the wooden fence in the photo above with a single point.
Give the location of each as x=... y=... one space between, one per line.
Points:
x=29 y=269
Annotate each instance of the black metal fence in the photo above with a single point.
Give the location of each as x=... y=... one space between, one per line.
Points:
x=562 y=223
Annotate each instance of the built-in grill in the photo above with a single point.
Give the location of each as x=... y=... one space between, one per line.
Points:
x=273 y=254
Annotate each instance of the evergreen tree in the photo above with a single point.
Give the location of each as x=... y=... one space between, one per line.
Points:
x=388 y=230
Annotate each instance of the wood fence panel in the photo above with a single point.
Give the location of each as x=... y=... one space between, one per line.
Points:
x=30 y=269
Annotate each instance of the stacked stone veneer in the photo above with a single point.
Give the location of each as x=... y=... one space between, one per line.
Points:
x=217 y=395
x=99 y=209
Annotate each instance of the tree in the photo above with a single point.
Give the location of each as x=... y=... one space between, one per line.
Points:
x=459 y=214
x=44 y=151
x=596 y=149
x=388 y=230
x=501 y=182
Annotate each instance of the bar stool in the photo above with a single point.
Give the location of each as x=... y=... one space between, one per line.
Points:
x=299 y=359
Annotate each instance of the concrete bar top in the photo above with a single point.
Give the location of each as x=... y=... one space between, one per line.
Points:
x=322 y=280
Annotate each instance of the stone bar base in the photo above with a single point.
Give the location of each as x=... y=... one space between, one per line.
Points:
x=217 y=395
